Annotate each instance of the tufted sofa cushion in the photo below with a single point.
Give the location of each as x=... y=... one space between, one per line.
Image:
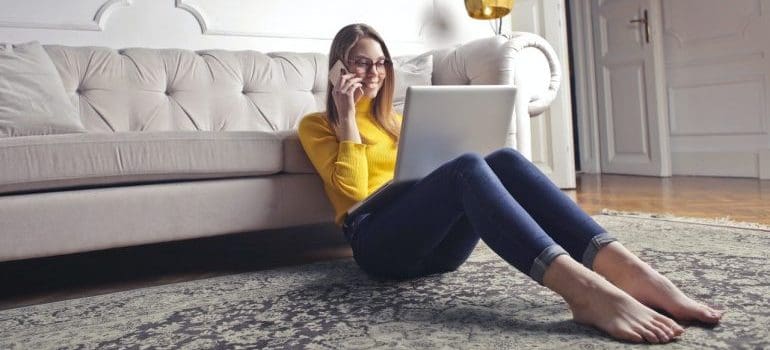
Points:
x=169 y=89
x=63 y=161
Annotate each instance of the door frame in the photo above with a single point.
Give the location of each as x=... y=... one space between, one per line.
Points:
x=583 y=65
x=586 y=104
x=552 y=137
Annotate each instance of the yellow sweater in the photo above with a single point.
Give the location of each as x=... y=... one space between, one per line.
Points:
x=350 y=171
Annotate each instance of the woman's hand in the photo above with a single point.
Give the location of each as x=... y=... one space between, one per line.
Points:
x=344 y=95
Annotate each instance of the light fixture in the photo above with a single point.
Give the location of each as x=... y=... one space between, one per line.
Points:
x=489 y=9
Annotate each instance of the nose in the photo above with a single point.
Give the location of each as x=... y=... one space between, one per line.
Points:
x=372 y=69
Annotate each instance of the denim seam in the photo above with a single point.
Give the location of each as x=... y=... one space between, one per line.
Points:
x=596 y=243
x=543 y=260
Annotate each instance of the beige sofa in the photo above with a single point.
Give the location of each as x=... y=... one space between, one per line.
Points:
x=184 y=144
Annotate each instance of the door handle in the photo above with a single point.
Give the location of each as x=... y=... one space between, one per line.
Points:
x=645 y=21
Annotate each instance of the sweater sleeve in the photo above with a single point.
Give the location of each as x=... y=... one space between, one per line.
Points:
x=342 y=165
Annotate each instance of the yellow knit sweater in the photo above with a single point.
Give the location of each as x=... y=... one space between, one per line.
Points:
x=350 y=171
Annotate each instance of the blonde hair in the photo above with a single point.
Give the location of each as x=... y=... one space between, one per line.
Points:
x=382 y=105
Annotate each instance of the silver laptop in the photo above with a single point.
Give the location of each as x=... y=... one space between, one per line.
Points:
x=442 y=122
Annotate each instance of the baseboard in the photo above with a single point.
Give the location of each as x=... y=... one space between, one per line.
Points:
x=764 y=164
x=730 y=164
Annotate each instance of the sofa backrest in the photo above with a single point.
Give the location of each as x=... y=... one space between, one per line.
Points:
x=143 y=89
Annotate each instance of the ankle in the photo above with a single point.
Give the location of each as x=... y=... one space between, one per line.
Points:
x=582 y=297
x=615 y=262
x=572 y=281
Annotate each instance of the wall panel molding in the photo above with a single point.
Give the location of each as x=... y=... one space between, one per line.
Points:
x=89 y=16
x=710 y=25
x=733 y=58
x=741 y=101
x=232 y=18
x=195 y=12
x=626 y=143
x=104 y=11
x=732 y=164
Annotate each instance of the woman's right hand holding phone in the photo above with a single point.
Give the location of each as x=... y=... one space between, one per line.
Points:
x=344 y=98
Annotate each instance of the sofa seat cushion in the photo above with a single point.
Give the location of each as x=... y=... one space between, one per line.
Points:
x=75 y=160
x=295 y=160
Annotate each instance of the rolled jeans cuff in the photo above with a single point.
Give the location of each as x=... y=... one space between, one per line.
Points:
x=544 y=260
x=596 y=243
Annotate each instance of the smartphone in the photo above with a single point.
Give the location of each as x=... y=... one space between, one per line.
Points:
x=338 y=69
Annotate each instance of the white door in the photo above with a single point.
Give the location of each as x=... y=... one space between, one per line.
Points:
x=552 y=142
x=630 y=81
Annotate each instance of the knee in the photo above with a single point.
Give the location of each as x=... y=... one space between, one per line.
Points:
x=506 y=152
x=469 y=161
x=506 y=156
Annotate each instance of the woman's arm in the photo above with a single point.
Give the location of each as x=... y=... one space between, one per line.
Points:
x=342 y=165
x=344 y=95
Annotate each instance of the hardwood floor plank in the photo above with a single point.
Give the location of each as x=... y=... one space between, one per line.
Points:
x=705 y=197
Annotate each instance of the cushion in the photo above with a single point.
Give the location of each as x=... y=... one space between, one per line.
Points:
x=295 y=160
x=145 y=89
x=32 y=97
x=75 y=160
x=410 y=70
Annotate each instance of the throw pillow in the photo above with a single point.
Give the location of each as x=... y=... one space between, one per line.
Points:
x=32 y=96
x=410 y=70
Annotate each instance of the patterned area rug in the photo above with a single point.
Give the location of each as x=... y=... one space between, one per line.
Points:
x=486 y=304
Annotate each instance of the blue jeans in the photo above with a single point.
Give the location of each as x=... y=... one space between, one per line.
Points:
x=503 y=199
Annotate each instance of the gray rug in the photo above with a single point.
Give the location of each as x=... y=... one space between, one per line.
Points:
x=486 y=304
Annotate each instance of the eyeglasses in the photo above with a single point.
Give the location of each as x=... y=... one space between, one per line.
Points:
x=363 y=65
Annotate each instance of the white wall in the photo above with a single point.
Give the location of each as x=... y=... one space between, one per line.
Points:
x=409 y=26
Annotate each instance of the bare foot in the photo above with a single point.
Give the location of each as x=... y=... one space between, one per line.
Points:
x=646 y=285
x=596 y=302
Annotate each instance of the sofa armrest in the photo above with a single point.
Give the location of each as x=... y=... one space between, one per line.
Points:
x=524 y=60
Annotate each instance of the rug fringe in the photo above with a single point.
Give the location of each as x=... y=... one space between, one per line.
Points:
x=725 y=221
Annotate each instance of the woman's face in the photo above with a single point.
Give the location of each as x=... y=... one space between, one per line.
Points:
x=368 y=62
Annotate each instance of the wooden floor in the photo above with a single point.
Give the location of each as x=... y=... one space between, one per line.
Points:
x=705 y=197
x=58 y=278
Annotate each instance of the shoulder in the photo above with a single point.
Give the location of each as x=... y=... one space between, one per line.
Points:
x=314 y=128
x=314 y=121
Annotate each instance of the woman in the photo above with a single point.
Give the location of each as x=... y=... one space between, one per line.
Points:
x=503 y=199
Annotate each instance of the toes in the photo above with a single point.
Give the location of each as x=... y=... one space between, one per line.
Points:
x=648 y=335
x=628 y=335
x=672 y=325
x=663 y=331
x=710 y=315
x=705 y=314
x=687 y=309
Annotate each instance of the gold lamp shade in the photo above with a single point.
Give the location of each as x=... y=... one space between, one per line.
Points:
x=488 y=9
